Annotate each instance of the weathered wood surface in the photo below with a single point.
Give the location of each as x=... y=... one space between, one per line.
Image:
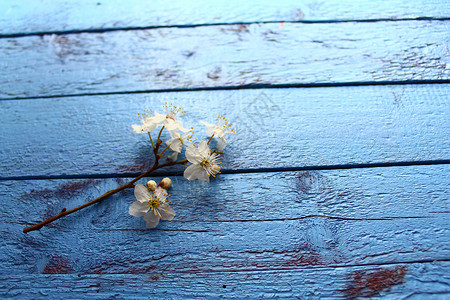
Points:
x=292 y=127
x=398 y=281
x=47 y=16
x=237 y=222
x=312 y=234
x=333 y=233
x=223 y=56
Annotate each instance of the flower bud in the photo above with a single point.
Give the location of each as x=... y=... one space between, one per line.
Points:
x=151 y=185
x=166 y=183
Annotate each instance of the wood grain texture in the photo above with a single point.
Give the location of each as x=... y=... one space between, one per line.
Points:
x=415 y=281
x=31 y=16
x=239 y=222
x=223 y=56
x=292 y=127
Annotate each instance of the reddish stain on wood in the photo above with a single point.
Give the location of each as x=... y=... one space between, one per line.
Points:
x=57 y=265
x=214 y=75
x=303 y=259
x=65 y=190
x=305 y=181
x=122 y=267
x=370 y=284
x=138 y=166
x=291 y=258
x=299 y=15
x=139 y=270
x=156 y=276
x=241 y=28
x=238 y=29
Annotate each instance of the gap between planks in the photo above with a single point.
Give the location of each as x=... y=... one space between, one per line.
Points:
x=134 y=28
x=253 y=86
x=241 y=171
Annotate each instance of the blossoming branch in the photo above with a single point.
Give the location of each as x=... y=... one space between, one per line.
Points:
x=152 y=200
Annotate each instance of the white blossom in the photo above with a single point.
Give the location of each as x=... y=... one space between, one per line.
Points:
x=148 y=124
x=204 y=163
x=177 y=141
x=153 y=206
x=219 y=131
x=169 y=120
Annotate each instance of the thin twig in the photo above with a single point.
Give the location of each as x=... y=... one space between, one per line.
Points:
x=164 y=149
x=159 y=135
x=65 y=212
x=210 y=139
x=151 y=140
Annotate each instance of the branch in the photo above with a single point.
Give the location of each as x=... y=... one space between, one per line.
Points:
x=65 y=212
x=130 y=184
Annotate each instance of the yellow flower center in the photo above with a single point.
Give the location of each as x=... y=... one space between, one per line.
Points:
x=154 y=203
x=172 y=111
x=205 y=164
x=223 y=123
x=210 y=165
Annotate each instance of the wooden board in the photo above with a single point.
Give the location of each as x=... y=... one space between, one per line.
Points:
x=358 y=233
x=74 y=76
x=418 y=280
x=290 y=127
x=239 y=222
x=47 y=16
x=223 y=56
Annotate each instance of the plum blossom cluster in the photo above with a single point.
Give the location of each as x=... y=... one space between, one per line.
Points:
x=200 y=160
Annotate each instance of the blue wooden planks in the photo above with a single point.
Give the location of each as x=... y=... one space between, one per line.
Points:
x=294 y=127
x=49 y=16
x=223 y=57
x=358 y=193
x=271 y=221
x=420 y=280
x=73 y=77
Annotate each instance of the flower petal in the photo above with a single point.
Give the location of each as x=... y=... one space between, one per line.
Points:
x=174 y=125
x=219 y=132
x=203 y=149
x=221 y=143
x=203 y=176
x=174 y=134
x=193 y=172
x=161 y=193
x=167 y=213
x=176 y=146
x=193 y=155
x=173 y=156
x=158 y=118
x=141 y=193
x=206 y=124
x=209 y=128
x=151 y=220
x=169 y=142
x=137 y=128
x=138 y=209
x=149 y=125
